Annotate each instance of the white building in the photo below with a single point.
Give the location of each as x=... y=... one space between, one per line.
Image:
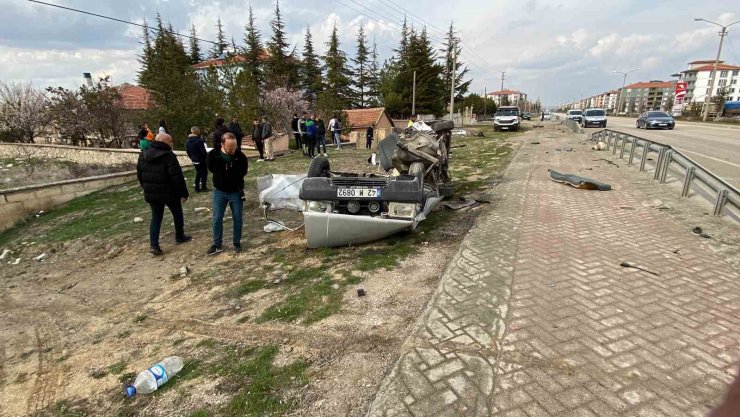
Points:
x=699 y=80
x=508 y=98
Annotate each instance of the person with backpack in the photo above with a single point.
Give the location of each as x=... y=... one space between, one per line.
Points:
x=335 y=126
x=196 y=150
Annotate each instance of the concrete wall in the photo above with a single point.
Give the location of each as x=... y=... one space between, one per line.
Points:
x=18 y=203
x=82 y=155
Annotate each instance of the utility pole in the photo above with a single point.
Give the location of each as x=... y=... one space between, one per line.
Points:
x=621 y=92
x=722 y=34
x=452 y=84
x=413 y=97
x=503 y=77
x=485 y=101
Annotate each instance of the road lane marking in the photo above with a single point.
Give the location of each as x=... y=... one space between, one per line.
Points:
x=710 y=157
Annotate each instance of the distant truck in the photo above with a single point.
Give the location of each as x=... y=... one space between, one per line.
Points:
x=506 y=118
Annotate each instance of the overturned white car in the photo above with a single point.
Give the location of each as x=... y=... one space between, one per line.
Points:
x=345 y=208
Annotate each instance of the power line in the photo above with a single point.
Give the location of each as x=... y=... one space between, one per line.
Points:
x=441 y=31
x=123 y=21
x=382 y=22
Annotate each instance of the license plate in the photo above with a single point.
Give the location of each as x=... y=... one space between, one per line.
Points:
x=358 y=193
x=663 y=124
x=504 y=127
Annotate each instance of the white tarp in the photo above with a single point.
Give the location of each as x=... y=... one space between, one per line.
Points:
x=280 y=191
x=422 y=127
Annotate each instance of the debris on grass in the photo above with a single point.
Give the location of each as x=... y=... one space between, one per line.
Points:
x=635 y=266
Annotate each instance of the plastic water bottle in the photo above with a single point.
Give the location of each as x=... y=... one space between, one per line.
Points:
x=148 y=381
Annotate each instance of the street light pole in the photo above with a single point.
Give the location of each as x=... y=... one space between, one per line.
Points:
x=624 y=82
x=722 y=34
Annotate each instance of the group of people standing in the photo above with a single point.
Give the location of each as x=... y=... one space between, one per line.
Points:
x=309 y=131
x=162 y=179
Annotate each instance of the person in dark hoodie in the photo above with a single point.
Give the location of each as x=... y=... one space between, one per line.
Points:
x=218 y=132
x=259 y=143
x=229 y=167
x=236 y=129
x=196 y=149
x=161 y=177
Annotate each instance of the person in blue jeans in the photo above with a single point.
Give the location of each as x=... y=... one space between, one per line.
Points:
x=229 y=167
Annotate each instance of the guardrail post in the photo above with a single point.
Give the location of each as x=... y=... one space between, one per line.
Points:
x=668 y=158
x=624 y=145
x=645 y=151
x=659 y=164
x=632 y=151
x=687 y=181
x=719 y=204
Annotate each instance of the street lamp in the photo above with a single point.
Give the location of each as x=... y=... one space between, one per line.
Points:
x=722 y=34
x=624 y=81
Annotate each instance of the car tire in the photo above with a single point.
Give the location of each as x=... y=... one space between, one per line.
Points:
x=444 y=125
x=319 y=167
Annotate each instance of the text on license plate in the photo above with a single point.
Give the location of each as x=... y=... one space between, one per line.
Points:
x=663 y=124
x=358 y=192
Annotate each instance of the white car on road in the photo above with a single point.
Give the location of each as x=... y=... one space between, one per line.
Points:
x=594 y=117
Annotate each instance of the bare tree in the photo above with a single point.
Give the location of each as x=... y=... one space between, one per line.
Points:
x=23 y=110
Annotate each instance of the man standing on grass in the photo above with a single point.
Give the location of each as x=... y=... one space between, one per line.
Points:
x=267 y=138
x=296 y=132
x=257 y=138
x=229 y=167
x=160 y=175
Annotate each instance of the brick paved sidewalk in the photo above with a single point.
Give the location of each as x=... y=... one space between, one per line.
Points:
x=535 y=317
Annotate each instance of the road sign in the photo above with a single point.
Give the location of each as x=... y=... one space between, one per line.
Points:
x=680 y=93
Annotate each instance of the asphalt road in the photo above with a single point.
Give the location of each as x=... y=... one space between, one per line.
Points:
x=715 y=147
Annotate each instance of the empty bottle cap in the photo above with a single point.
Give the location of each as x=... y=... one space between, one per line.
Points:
x=130 y=391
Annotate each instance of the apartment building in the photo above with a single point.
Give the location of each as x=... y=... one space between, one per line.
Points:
x=699 y=78
x=508 y=97
x=643 y=96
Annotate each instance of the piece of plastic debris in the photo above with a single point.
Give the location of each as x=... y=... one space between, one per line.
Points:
x=635 y=266
x=578 y=182
x=17 y=261
x=184 y=271
x=138 y=220
x=40 y=257
x=150 y=380
x=5 y=254
x=199 y=209
x=274 y=226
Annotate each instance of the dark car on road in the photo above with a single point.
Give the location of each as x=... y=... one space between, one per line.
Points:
x=527 y=115
x=655 y=120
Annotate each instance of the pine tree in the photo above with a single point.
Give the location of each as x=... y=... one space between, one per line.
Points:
x=361 y=79
x=145 y=58
x=311 y=82
x=168 y=74
x=281 y=68
x=234 y=47
x=373 y=78
x=338 y=83
x=452 y=44
x=195 y=55
x=253 y=51
x=218 y=48
x=430 y=91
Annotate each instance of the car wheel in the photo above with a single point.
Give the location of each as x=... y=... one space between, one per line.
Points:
x=637 y=125
x=319 y=167
x=442 y=126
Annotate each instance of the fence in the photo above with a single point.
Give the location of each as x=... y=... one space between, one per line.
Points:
x=726 y=197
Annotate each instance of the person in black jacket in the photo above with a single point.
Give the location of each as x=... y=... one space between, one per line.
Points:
x=218 y=132
x=196 y=149
x=257 y=138
x=369 y=136
x=320 y=135
x=236 y=129
x=160 y=175
x=228 y=166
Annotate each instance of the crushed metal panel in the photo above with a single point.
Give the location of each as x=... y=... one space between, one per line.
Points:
x=332 y=229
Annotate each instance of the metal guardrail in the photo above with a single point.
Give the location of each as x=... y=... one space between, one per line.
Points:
x=725 y=194
x=572 y=125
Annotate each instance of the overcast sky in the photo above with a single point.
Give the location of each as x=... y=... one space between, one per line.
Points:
x=556 y=50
